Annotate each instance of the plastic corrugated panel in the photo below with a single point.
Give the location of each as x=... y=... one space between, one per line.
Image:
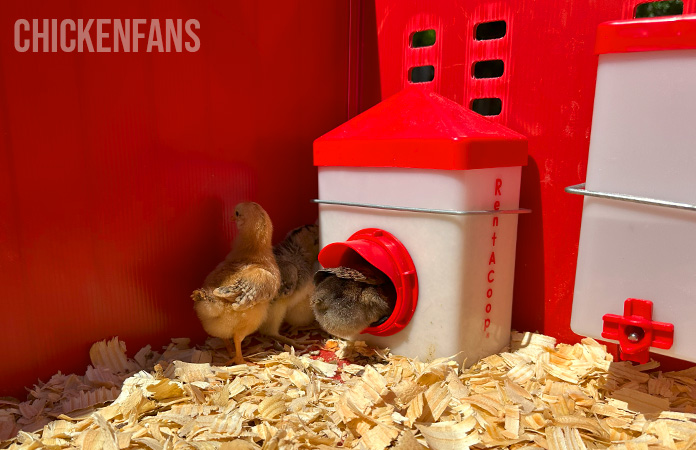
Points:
x=119 y=172
x=545 y=92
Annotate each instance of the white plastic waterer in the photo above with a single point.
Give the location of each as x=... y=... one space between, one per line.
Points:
x=636 y=274
x=441 y=184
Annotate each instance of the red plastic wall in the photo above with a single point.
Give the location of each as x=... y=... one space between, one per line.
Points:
x=547 y=93
x=119 y=172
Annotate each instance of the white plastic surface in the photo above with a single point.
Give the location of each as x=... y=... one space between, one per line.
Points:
x=452 y=254
x=643 y=143
x=643 y=139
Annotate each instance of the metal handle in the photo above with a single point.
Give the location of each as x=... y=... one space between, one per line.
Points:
x=424 y=210
x=579 y=189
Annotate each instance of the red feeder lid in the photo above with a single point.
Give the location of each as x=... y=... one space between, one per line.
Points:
x=420 y=129
x=647 y=35
x=388 y=254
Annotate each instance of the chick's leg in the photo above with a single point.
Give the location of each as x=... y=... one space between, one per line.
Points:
x=274 y=318
x=238 y=358
x=230 y=349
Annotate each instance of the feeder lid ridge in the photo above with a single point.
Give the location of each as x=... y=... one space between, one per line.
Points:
x=645 y=35
x=417 y=128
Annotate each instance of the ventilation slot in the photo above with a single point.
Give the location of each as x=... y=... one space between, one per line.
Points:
x=487 y=106
x=490 y=30
x=657 y=9
x=489 y=69
x=421 y=74
x=425 y=38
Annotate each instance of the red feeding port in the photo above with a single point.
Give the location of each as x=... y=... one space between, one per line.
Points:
x=636 y=331
x=386 y=253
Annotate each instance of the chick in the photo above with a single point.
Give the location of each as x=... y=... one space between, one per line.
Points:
x=235 y=296
x=346 y=300
x=296 y=257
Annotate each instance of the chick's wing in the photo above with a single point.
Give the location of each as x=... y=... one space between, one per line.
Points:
x=253 y=286
x=348 y=273
x=288 y=278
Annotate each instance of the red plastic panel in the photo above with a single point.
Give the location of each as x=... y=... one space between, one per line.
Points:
x=119 y=172
x=547 y=92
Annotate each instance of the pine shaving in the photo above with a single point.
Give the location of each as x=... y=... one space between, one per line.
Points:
x=538 y=395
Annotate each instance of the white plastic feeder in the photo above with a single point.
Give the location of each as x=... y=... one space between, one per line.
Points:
x=426 y=191
x=636 y=274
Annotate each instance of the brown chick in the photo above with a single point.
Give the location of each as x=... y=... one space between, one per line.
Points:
x=296 y=256
x=346 y=300
x=235 y=296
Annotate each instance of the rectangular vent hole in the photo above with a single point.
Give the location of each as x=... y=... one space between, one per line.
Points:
x=489 y=69
x=425 y=38
x=487 y=106
x=657 y=9
x=421 y=74
x=490 y=30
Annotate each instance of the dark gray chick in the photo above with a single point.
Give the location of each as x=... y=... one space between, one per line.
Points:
x=296 y=256
x=346 y=300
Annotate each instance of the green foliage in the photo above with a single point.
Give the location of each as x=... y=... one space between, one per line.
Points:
x=656 y=9
x=423 y=39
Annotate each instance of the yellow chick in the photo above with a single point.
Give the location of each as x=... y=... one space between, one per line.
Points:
x=235 y=296
x=296 y=257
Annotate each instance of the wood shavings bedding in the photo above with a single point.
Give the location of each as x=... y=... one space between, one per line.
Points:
x=537 y=395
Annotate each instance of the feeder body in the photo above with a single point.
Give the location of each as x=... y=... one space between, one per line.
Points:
x=642 y=144
x=460 y=260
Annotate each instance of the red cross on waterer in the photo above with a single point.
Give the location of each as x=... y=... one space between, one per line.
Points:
x=636 y=331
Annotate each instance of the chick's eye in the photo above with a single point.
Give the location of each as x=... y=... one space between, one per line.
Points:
x=236 y=213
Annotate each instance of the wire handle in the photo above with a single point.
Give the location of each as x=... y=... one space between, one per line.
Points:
x=425 y=210
x=579 y=189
